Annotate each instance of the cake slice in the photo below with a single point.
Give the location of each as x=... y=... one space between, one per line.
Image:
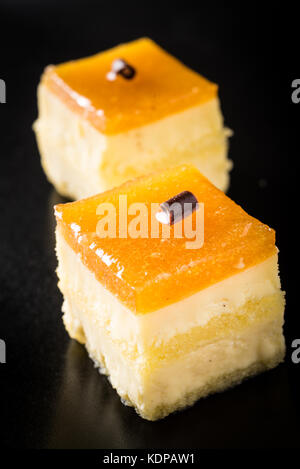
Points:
x=99 y=126
x=167 y=322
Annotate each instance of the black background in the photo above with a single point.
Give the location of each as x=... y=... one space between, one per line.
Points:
x=50 y=394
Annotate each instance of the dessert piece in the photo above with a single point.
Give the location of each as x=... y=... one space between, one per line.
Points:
x=100 y=124
x=169 y=323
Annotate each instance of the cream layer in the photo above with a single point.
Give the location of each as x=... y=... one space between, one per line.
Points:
x=81 y=161
x=176 y=383
x=143 y=331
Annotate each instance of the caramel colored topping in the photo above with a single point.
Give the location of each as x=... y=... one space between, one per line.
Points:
x=149 y=273
x=161 y=86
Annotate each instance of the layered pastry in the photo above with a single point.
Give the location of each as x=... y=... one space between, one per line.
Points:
x=126 y=112
x=167 y=321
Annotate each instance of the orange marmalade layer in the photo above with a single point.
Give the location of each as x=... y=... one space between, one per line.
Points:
x=146 y=274
x=162 y=86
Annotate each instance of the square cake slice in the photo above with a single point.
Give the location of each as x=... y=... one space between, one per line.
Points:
x=167 y=322
x=98 y=128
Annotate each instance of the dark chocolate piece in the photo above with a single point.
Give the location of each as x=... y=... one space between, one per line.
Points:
x=178 y=207
x=121 y=67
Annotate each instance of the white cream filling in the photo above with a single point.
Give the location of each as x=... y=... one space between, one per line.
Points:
x=177 y=383
x=144 y=330
x=81 y=161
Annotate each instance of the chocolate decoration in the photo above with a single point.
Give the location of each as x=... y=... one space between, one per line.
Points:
x=121 y=67
x=171 y=214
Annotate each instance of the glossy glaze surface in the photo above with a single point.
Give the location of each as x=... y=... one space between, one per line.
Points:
x=162 y=86
x=149 y=273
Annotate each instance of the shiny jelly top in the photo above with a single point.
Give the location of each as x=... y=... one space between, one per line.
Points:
x=150 y=272
x=160 y=86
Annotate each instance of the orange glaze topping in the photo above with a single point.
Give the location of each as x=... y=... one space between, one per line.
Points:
x=149 y=273
x=161 y=86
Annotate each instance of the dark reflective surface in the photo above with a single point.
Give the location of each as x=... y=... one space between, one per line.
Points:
x=51 y=395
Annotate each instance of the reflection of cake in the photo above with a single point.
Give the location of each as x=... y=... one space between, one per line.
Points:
x=95 y=131
x=169 y=324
